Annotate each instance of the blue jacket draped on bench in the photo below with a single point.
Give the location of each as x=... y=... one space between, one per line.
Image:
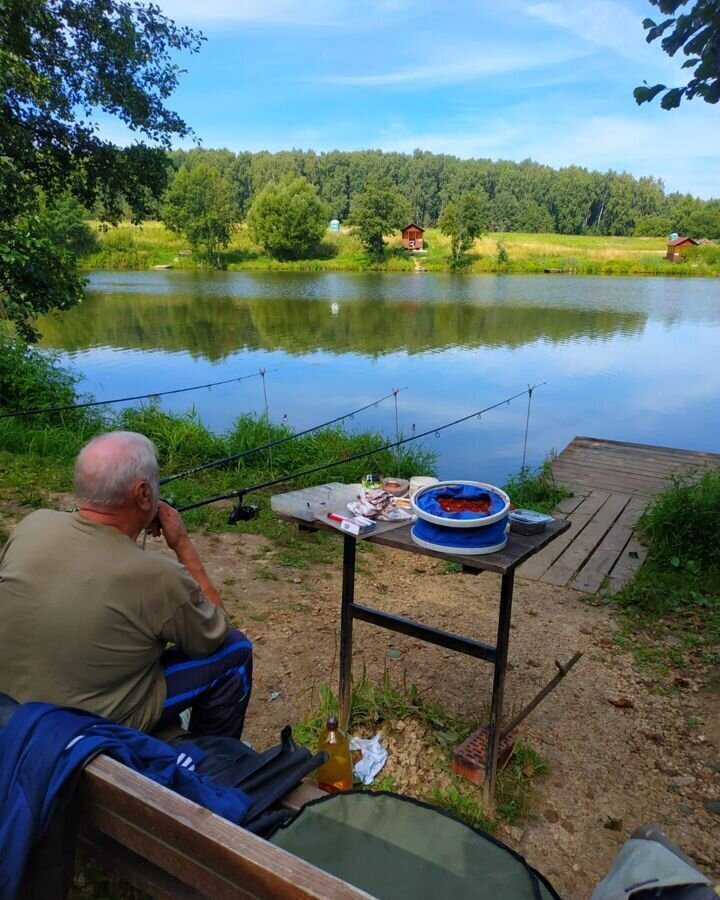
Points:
x=42 y=749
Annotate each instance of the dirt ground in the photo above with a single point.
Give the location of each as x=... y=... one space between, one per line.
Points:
x=653 y=758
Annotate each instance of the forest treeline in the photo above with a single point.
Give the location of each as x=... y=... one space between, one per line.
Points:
x=524 y=196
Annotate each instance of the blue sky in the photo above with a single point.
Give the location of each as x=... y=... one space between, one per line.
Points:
x=549 y=81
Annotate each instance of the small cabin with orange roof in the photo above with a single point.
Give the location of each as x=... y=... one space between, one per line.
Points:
x=676 y=246
x=412 y=237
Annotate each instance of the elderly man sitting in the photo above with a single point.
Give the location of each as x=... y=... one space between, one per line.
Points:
x=86 y=614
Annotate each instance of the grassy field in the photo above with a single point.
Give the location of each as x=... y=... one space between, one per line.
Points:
x=151 y=244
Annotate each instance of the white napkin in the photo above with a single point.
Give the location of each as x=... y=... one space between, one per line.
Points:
x=374 y=757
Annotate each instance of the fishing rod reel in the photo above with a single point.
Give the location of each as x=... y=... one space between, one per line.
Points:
x=242 y=512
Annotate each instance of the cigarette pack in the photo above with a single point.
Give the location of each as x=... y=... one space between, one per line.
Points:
x=356 y=525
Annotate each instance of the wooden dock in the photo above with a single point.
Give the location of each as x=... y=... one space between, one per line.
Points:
x=612 y=483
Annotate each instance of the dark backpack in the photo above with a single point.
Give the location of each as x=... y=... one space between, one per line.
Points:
x=265 y=777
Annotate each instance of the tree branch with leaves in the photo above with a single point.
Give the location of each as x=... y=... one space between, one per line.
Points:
x=62 y=62
x=697 y=33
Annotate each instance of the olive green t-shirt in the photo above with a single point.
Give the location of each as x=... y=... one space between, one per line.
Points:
x=85 y=615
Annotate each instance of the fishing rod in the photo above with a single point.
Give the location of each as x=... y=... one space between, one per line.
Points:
x=197 y=387
x=241 y=512
x=269 y=444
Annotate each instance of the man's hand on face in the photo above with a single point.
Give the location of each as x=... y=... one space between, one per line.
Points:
x=169 y=523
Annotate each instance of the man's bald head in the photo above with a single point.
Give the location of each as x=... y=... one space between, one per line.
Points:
x=110 y=465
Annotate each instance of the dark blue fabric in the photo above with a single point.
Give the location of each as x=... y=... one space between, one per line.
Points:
x=427 y=501
x=216 y=686
x=36 y=769
x=461 y=538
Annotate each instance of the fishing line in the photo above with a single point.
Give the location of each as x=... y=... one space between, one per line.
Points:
x=197 y=387
x=283 y=440
x=266 y=484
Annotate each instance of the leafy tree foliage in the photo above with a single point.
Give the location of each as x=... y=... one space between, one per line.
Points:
x=66 y=222
x=524 y=196
x=234 y=167
x=697 y=32
x=37 y=273
x=199 y=204
x=288 y=219
x=61 y=61
x=463 y=220
x=653 y=226
x=377 y=211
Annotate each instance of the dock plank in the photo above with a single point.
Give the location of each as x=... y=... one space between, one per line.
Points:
x=563 y=570
x=651 y=449
x=535 y=567
x=613 y=481
x=570 y=504
x=627 y=565
x=601 y=562
x=596 y=572
x=660 y=468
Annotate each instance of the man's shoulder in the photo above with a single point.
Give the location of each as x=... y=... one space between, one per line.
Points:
x=44 y=518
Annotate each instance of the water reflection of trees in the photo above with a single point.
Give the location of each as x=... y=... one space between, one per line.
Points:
x=214 y=327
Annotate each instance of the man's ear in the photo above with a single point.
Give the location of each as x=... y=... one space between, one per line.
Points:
x=143 y=495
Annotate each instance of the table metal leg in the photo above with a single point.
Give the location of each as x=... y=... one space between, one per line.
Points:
x=495 y=724
x=346 y=623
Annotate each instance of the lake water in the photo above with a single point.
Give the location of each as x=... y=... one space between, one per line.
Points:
x=630 y=359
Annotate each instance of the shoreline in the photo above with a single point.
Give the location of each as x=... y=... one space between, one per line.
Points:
x=145 y=247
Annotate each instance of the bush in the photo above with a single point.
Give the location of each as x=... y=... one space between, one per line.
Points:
x=536 y=488
x=288 y=219
x=682 y=524
x=709 y=254
x=30 y=379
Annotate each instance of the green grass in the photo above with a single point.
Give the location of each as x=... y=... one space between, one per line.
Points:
x=36 y=462
x=536 y=488
x=375 y=704
x=682 y=524
x=150 y=244
x=669 y=620
x=670 y=613
x=143 y=246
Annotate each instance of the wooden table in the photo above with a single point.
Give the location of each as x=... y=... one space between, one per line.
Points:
x=518 y=549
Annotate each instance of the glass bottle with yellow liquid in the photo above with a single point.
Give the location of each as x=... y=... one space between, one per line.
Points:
x=336 y=774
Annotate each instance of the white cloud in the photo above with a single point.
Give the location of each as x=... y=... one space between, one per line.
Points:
x=463 y=63
x=608 y=24
x=602 y=22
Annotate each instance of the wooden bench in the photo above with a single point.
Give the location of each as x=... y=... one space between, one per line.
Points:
x=173 y=849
